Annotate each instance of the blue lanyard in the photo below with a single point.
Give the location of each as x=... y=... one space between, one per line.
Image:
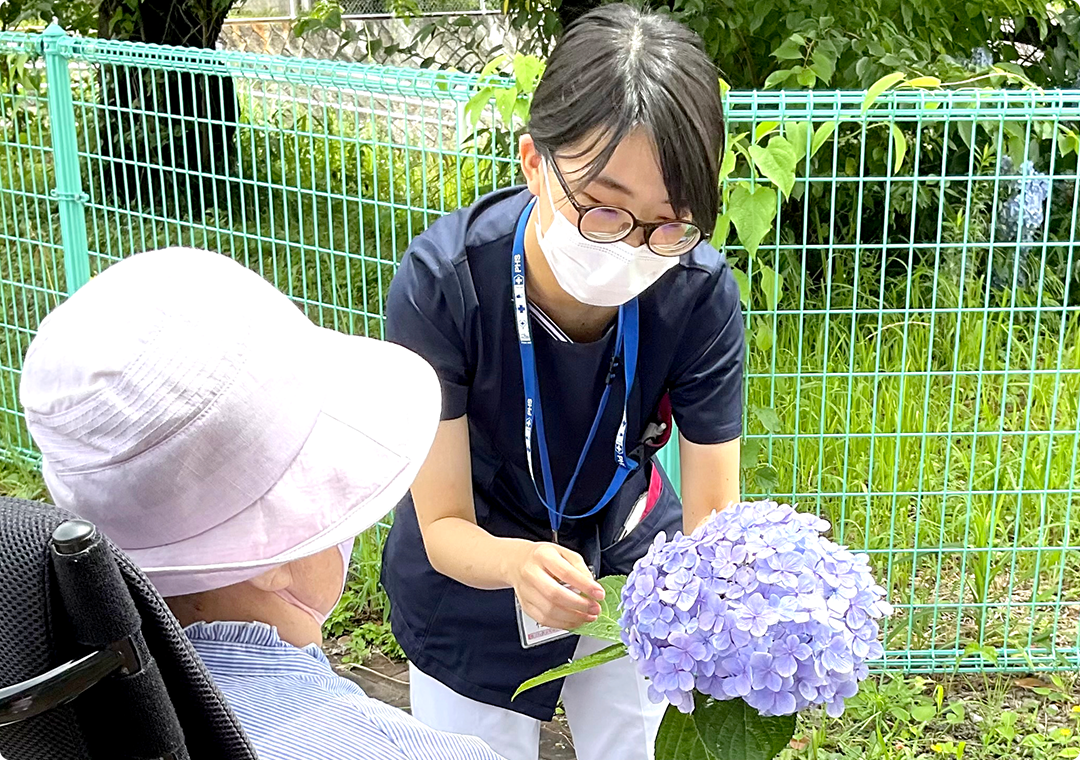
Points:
x=626 y=346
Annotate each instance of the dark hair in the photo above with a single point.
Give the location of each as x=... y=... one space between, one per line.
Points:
x=618 y=68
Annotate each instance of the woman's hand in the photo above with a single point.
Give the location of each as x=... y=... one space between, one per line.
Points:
x=554 y=585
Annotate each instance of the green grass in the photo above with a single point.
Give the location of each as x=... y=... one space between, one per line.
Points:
x=903 y=718
x=893 y=431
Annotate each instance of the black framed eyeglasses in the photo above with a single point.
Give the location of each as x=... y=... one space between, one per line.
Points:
x=610 y=224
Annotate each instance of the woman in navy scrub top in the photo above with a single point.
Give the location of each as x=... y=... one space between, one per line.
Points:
x=568 y=320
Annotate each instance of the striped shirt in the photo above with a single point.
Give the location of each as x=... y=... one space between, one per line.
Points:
x=293 y=706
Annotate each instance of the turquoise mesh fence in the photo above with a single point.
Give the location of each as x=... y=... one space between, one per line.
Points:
x=913 y=358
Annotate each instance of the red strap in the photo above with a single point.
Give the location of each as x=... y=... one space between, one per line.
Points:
x=656 y=487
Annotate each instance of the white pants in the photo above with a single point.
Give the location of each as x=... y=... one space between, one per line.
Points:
x=609 y=712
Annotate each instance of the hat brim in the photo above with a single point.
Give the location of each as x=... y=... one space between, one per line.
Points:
x=380 y=412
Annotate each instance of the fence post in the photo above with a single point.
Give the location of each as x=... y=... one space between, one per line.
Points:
x=68 y=193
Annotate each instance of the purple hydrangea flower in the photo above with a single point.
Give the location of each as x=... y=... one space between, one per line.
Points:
x=755 y=604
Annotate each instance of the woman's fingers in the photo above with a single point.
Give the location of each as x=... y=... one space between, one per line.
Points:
x=551 y=604
x=568 y=567
x=556 y=588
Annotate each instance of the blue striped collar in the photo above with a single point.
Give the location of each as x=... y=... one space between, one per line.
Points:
x=235 y=634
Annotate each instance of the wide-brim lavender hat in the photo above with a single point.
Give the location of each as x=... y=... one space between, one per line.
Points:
x=194 y=414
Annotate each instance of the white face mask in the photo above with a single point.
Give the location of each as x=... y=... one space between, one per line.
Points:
x=345 y=548
x=598 y=274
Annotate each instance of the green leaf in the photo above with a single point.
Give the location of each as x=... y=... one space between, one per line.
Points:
x=1068 y=142
x=768 y=418
x=899 y=148
x=923 y=713
x=789 y=50
x=752 y=210
x=823 y=64
x=493 y=66
x=798 y=134
x=505 y=100
x=772 y=285
x=527 y=72
x=966 y=130
x=720 y=234
x=727 y=730
x=608 y=654
x=879 y=87
x=744 y=285
x=521 y=108
x=765 y=128
x=806 y=77
x=821 y=136
x=764 y=336
x=606 y=625
x=727 y=164
x=777 y=162
x=778 y=77
x=750 y=452
x=927 y=82
x=767 y=478
x=477 y=103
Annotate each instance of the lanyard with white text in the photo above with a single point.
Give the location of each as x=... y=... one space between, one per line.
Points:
x=626 y=346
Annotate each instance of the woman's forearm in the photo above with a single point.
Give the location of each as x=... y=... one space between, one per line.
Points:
x=464 y=551
x=710 y=479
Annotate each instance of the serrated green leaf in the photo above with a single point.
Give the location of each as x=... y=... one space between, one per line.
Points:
x=777 y=162
x=821 y=136
x=744 y=285
x=722 y=730
x=899 y=148
x=679 y=738
x=768 y=418
x=749 y=452
x=527 y=72
x=767 y=478
x=606 y=625
x=879 y=87
x=752 y=210
x=608 y=654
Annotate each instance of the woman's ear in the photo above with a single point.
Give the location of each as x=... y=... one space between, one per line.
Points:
x=273 y=580
x=531 y=164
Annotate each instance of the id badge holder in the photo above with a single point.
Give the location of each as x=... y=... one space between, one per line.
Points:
x=533 y=634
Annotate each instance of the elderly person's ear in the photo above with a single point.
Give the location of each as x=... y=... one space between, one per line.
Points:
x=277 y=579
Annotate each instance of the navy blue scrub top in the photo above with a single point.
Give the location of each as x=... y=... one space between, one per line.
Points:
x=452 y=302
